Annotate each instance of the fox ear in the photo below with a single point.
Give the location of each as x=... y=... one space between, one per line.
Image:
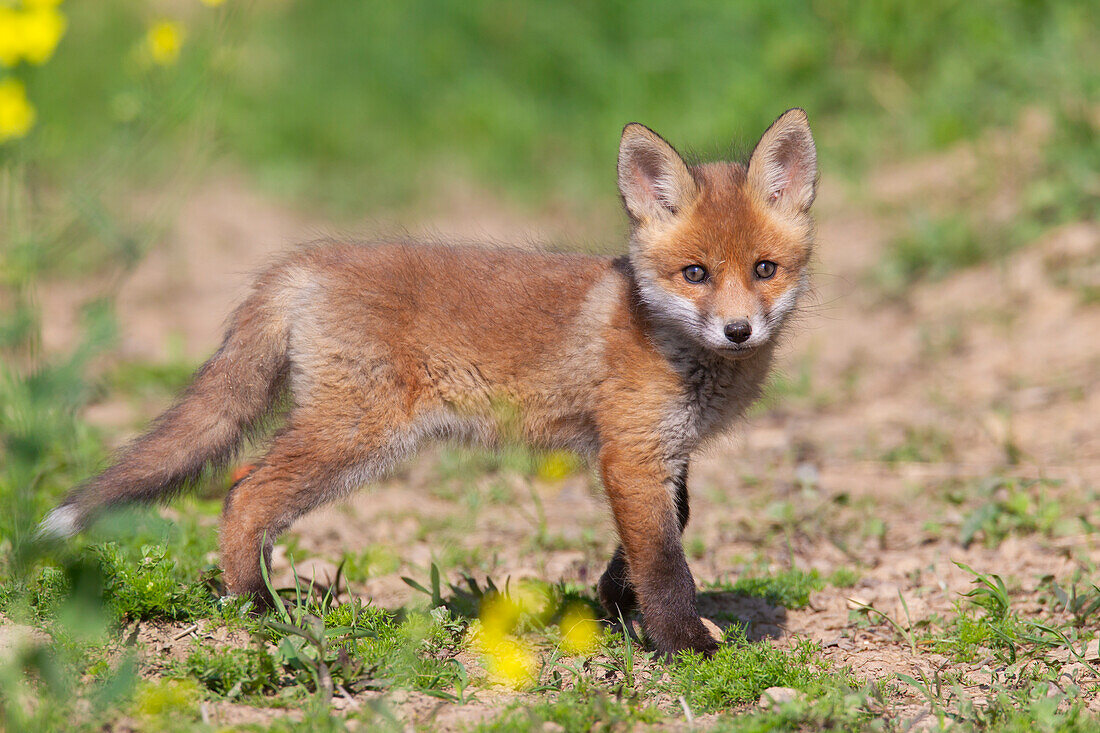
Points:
x=653 y=179
x=783 y=165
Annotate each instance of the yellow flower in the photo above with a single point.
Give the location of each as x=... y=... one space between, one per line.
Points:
x=527 y=602
x=212 y=3
x=16 y=113
x=557 y=464
x=31 y=34
x=42 y=29
x=163 y=42
x=507 y=659
x=11 y=36
x=499 y=615
x=580 y=632
x=509 y=662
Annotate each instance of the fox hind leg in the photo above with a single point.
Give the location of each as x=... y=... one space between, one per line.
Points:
x=305 y=468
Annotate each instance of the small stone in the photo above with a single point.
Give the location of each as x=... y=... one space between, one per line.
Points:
x=1091 y=653
x=552 y=727
x=855 y=603
x=712 y=629
x=1071 y=671
x=777 y=696
x=806 y=475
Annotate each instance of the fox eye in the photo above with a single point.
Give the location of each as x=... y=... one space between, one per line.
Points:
x=765 y=269
x=695 y=273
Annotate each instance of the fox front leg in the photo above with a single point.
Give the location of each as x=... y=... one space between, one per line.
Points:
x=615 y=591
x=644 y=500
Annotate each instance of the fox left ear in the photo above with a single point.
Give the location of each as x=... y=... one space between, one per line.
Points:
x=783 y=165
x=653 y=179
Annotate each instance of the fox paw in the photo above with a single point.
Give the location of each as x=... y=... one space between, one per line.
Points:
x=694 y=635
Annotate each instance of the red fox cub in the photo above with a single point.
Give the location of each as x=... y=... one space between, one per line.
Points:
x=633 y=361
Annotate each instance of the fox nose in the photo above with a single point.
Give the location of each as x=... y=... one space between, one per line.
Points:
x=738 y=331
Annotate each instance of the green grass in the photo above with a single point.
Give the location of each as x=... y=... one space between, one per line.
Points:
x=149 y=586
x=933 y=248
x=837 y=709
x=159 y=381
x=997 y=508
x=44 y=448
x=787 y=588
x=1067 y=188
x=589 y=711
x=1026 y=691
x=844 y=577
x=921 y=444
x=365 y=647
x=986 y=622
x=232 y=672
x=629 y=682
x=724 y=688
x=740 y=672
x=370 y=561
x=168 y=704
x=1016 y=705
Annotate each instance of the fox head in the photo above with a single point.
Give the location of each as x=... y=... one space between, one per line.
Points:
x=721 y=250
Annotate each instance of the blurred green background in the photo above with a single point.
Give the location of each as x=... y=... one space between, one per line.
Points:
x=351 y=109
x=357 y=106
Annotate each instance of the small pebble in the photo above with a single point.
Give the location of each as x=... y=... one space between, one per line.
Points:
x=777 y=696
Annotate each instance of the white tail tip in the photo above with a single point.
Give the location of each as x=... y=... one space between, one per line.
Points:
x=62 y=522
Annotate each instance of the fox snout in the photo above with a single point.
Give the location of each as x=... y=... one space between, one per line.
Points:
x=738 y=331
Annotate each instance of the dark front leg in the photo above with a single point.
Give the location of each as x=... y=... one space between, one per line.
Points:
x=648 y=511
x=616 y=593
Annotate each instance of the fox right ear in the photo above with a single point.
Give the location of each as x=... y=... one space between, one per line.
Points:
x=653 y=179
x=783 y=165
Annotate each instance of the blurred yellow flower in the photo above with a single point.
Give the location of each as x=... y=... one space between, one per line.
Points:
x=506 y=658
x=499 y=615
x=163 y=42
x=42 y=30
x=31 y=34
x=580 y=632
x=16 y=113
x=212 y=3
x=557 y=464
x=11 y=37
x=509 y=662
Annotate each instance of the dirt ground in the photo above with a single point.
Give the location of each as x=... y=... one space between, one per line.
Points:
x=898 y=402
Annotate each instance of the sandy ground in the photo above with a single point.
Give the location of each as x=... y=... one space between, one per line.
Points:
x=904 y=403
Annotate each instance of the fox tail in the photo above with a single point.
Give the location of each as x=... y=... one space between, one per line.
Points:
x=228 y=396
